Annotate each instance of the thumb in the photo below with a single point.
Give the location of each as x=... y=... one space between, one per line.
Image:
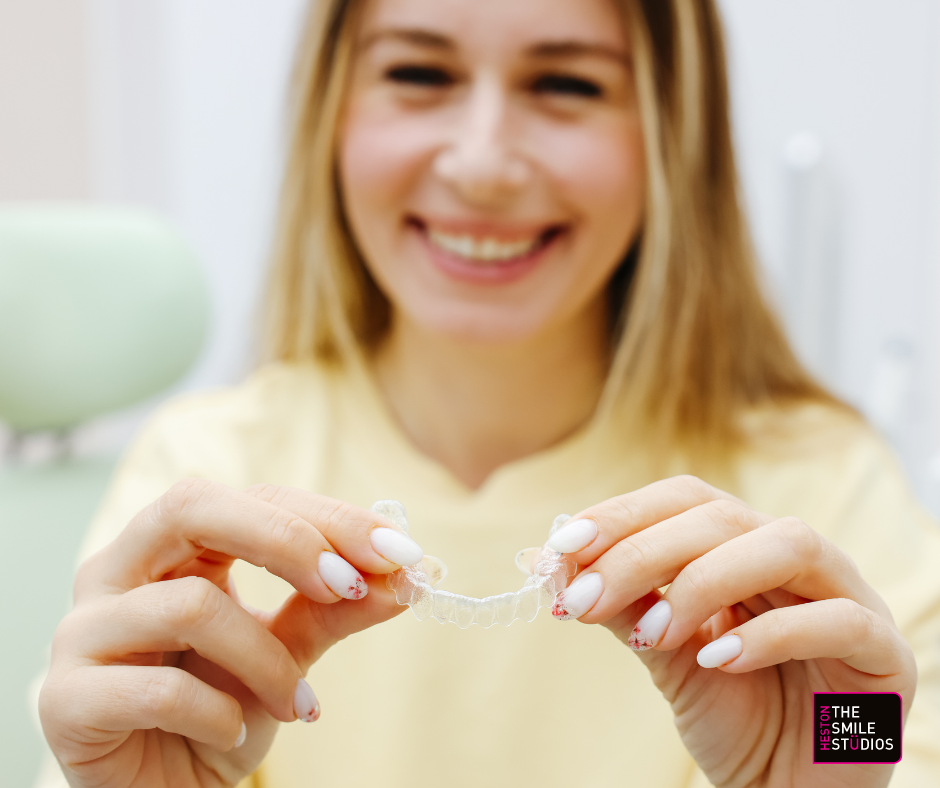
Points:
x=309 y=628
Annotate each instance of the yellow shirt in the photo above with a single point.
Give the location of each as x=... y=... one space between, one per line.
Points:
x=545 y=704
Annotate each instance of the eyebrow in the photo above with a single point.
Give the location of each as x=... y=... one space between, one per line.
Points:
x=546 y=49
x=410 y=35
x=574 y=48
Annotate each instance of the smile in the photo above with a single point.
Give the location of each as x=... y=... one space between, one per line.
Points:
x=486 y=253
x=483 y=250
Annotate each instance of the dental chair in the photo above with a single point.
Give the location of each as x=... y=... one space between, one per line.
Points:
x=100 y=309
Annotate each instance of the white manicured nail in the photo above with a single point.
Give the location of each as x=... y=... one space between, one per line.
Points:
x=394 y=546
x=341 y=576
x=720 y=652
x=573 y=536
x=650 y=629
x=242 y=736
x=306 y=705
x=579 y=597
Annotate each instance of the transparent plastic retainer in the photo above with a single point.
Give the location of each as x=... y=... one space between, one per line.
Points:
x=414 y=585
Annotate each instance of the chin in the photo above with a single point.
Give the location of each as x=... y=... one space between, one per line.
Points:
x=482 y=325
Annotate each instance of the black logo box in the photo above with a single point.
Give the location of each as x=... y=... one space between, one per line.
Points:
x=856 y=727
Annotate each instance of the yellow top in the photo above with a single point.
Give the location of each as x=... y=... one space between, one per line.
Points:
x=411 y=703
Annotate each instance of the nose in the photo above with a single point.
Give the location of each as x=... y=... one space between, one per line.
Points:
x=480 y=161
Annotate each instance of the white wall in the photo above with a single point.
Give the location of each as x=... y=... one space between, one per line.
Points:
x=863 y=76
x=190 y=101
x=44 y=134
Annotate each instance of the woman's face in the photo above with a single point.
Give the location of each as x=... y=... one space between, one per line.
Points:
x=491 y=160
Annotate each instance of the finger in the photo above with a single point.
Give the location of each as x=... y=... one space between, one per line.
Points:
x=178 y=615
x=830 y=629
x=196 y=516
x=785 y=554
x=348 y=528
x=669 y=668
x=116 y=699
x=308 y=629
x=593 y=531
x=212 y=565
x=623 y=623
x=654 y=556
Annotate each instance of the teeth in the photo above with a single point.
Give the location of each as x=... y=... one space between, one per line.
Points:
x=481 y=249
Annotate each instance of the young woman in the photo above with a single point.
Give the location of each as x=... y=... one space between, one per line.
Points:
x=512 y=279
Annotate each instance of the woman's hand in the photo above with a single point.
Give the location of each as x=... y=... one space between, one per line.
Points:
x=759 y=614
x=160 y=677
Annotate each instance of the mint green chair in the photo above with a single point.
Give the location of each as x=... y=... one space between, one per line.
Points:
x=100 y=308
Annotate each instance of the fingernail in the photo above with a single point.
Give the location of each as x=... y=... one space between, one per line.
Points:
x=394 y=546
x=720 y=652
x=573 y=536
x=341 y=576
x=579 y=597
x=306 y=706
x=242 y=736
x=650 y=629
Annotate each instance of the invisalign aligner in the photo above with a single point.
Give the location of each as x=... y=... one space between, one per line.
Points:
x=413 y=587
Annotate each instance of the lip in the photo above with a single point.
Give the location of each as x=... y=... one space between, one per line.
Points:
x=493 y=273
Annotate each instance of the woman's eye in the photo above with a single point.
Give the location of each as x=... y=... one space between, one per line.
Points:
x=424 y=76
x=567 y=86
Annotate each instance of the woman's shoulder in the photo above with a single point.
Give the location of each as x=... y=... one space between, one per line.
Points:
x=819 y=462
x=237 y=433
x=836 y=473
x=272 y=392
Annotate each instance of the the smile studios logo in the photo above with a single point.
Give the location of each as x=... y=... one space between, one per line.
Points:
x=856 y=727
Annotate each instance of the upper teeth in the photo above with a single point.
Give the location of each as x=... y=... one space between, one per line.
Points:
x=481 y=248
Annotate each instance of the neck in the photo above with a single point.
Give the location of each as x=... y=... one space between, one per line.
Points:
x=474 y=407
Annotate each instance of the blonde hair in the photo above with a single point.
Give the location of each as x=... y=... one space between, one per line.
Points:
x=694 y=342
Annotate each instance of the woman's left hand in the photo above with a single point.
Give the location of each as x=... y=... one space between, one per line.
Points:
x=760 y=613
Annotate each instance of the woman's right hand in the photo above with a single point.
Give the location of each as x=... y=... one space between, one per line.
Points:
x=161 y=677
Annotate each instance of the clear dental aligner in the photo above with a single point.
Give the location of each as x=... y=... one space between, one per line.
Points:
x=412 y=586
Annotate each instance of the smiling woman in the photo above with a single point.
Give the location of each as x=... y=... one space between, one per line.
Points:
x=511 y=279
x=549 y=136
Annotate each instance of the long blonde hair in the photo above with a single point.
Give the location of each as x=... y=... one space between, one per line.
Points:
x=694 y=342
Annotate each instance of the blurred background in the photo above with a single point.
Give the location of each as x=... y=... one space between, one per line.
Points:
x=176 y=106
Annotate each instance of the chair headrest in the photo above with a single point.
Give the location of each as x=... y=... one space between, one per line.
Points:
x=100 y=308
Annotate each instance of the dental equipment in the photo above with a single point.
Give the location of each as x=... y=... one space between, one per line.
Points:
x=413 y=586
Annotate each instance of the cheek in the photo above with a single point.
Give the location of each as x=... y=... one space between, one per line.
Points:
x=602 y=175
x=381 y=158
x=370 y=177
